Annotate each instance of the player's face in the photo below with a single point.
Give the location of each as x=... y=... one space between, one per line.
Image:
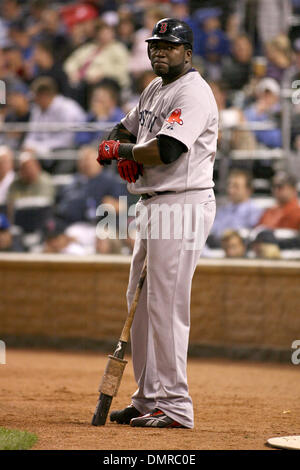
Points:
x=168 y=60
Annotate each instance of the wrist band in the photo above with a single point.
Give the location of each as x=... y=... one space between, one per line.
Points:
x=126 y=151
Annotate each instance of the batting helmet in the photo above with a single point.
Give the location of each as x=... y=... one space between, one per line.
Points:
x=172 y=30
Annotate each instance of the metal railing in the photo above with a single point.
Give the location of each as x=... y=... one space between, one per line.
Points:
x=225 y=153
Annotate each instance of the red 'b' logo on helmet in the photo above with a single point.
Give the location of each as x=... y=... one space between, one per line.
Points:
x=163 y=27
x=175 y=117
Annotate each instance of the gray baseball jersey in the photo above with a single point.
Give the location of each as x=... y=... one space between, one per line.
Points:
x=186 y=110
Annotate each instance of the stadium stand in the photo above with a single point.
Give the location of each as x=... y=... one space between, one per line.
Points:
x=253 y=72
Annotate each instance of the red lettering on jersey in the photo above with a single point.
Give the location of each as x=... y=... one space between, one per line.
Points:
x=163 y=27
x=175 y=117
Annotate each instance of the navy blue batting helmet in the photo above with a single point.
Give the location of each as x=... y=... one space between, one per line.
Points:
x=172 y=30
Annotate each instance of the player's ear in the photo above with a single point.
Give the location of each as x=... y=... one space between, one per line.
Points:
x=188 y=55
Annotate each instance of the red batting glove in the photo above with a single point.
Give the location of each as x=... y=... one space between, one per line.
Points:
x=108 y=151
x=129 y=170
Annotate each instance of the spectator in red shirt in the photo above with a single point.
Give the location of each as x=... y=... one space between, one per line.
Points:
x=286 y=214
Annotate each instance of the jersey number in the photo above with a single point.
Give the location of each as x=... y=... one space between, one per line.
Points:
x=163 y=27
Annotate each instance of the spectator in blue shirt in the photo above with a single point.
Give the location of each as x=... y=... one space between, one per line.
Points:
x=8 y=241
x=180 y=9
x=240 y=212
x=11 y=11
x=21 y=38
x=211 y=43
x=266 y=108
x=92 y=186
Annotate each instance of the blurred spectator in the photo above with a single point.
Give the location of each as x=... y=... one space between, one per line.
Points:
x=180 y=9
x=5 y=234
x=85 y=234
x=7 y=173
x=50 y=107
x=5 y=73
x=21 y=38
x=212 y=43
x=240 y=212
x=229 y=118
x=46 y=64
x=80 y=20
x=53 y=30
x=266 y=108
x=78 y=36
x=139 y=60
x=237 y=68
x=286 y=214
x=233 y=244
x=125 y=32
x=105 y=57
x=290 y=80
x=103 y=108
x=92 y=186
x=18 y=111
x=11 y=10
x=86 y=237
x=15 y=64
x=272 y=19
x=72 y=240
x=278 y=54
x=56 y=239
x=295 y=69
x=8 y=242
x=82 y=27
x=233 y=24
x=31 y=182
x=22 y=48
x=107 y=244
x=228 y=8
x=142 y=82
x=265 y=245
x=34 y=24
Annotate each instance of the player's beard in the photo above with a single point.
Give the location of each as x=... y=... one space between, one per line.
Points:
x=172 y=71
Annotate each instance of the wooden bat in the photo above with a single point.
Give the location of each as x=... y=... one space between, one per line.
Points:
x=116 y=364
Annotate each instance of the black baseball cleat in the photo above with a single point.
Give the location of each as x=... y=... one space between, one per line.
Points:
x=155 y=419
x=124 y=416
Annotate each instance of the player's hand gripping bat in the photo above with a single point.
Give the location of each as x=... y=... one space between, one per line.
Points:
x=116 y=364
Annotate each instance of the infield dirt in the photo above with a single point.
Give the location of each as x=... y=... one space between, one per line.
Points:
x=238 y=405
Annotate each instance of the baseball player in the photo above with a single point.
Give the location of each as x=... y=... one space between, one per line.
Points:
x=165 y=148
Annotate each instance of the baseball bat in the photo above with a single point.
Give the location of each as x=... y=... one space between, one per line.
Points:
x=115 y=365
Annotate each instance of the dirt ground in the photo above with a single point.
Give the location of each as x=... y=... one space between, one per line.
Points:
x=238 y=405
